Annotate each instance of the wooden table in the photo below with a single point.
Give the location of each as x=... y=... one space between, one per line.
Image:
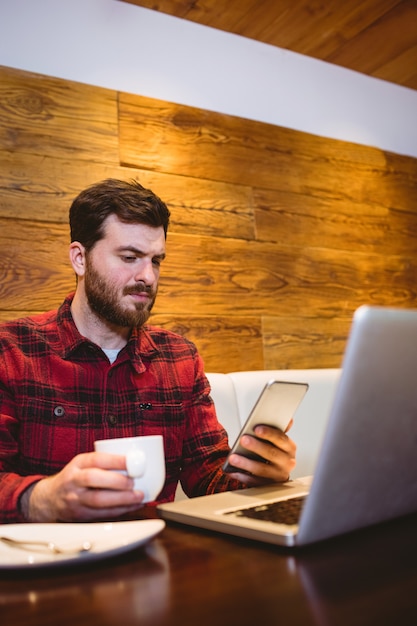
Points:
x=192 y=577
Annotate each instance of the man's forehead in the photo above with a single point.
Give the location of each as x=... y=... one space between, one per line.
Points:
x=114 y=227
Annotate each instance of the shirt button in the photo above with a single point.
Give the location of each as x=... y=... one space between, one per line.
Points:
x=59 y=411
x=112 y=419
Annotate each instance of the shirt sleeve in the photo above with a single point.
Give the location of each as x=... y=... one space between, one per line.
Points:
x=12 y=485
x=205 y=446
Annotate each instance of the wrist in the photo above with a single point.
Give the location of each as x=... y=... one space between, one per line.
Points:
x=34 y=503
x=24 y=502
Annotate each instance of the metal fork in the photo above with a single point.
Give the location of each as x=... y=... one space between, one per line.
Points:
x=24 y=544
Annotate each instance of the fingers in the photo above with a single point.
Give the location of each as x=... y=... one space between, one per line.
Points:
x=86 y=470
x=96 y=504
x=102 y=460
x=277 y=451
x=96 y=478
x=276 y=437
x=257 y=472
x=85 y=490
x=98 y=481
x=75 y=503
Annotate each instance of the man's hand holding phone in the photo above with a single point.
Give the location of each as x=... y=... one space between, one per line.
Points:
x=268 y=457
x=263 y=452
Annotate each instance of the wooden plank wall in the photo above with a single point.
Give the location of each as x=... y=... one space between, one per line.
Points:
x=276 y=235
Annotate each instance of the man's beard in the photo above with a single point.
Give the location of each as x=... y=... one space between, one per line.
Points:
x=104 y=300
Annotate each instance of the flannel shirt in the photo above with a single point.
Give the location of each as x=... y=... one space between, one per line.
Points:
x=59 y=393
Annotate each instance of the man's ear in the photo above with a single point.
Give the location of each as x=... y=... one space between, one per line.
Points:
x=77 y=257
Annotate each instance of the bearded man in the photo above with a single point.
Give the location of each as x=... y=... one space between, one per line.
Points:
x=94 y=369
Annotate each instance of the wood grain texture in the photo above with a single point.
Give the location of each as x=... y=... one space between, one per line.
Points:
x=296 y=343
x=42 y=188
x=45 y=116
x=234 y=278
x=8 y=316
x=258 y=277
x=301 y=219
x=242 y=336
x=375 y=37
x=166 y=137
x=35 y=273
x=203 y=207
x=276 y=236
x=402 y=21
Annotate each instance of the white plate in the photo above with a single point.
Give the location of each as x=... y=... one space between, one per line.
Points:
x=107 y=539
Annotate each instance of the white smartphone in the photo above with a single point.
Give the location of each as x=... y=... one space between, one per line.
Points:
x=275 y=407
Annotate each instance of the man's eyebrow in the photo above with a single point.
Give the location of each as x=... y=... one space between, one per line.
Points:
x=139 y=252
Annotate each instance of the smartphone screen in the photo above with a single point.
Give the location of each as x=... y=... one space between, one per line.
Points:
x=275 y=407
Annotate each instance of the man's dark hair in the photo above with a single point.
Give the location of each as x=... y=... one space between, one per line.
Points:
x=129 y=201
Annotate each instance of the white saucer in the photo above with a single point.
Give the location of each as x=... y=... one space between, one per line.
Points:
x=107 y=539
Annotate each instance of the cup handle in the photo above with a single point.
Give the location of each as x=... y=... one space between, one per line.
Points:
x=135 y=463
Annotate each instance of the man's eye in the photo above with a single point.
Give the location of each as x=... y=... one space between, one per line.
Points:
x=129 y=259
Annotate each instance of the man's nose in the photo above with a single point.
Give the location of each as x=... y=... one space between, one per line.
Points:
x=145 y=274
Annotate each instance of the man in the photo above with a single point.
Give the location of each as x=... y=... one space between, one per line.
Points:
x=93 y=370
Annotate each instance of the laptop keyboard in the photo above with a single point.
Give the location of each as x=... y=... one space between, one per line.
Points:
x=281 y=512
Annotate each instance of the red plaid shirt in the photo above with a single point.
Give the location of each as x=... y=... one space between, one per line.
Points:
x=59 y=393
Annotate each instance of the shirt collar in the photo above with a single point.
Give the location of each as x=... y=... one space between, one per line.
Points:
x=139 y=346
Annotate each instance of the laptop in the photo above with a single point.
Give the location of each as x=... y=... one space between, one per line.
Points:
x=366 y=472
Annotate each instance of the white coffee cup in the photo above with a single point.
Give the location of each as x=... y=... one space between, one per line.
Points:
x=145 y=461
